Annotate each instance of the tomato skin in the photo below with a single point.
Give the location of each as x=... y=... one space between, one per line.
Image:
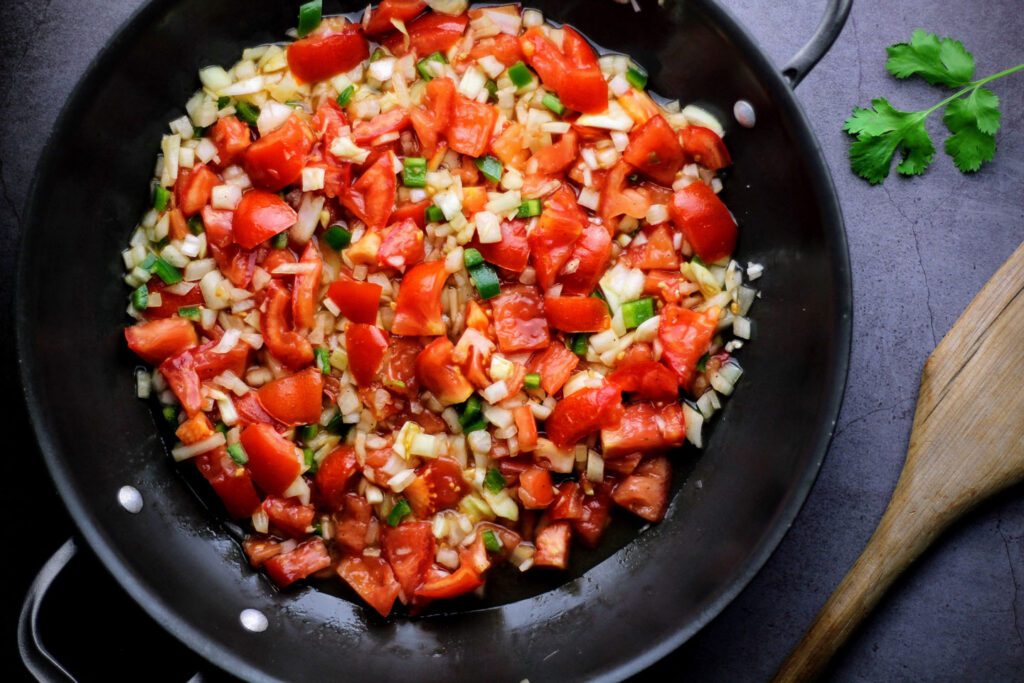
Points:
x=595 y=518
x=309 y=557
x=418 y=309
x=471 y=126
x=519 y=321
x=705 y=220
x=645 y=492
x=403 y=10
x=327 y=53
x=513 y=251
x=333 y=476
x=157 y=340
x=535 y=488
x=526 y=428
x=287 y=346
x=438 y=373
x=552 y=240
x=657 y=253
x=645 y=428
x=232 y=484
x=402 y=246
x=409 y=548
x=289 y=516
x=655 y=151
x=685 y=336
x=294 y=400
x=461 y=581
x=358 y=301
x=646 y=379
x=365 y=345
x=372 y=197
x=430 y=33
x=569 y=502
x=193 y=189
x=554 y=365
x=352 y=523
x=703 y=146
x=272 y=460
x=231 y=137
x=431 y=121
x=555 y=158
x=276 y=160
x=591 y=253
x=170 y=303
x=553 y=546
x=584 y=412
x=577 y=314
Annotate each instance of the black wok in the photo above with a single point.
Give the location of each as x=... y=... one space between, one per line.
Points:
x=617 y=610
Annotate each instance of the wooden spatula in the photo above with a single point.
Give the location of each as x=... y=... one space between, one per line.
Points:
x=967 y=444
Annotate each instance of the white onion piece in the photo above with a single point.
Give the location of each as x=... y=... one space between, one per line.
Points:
x=190 y=451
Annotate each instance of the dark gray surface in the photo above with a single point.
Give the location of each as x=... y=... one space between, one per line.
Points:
x=920 y=250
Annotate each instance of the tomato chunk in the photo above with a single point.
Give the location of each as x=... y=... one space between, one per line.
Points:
x=554 y=159
x=646 y=379
x=372 y=197
x=655 y=151
x=272 y=458
x=365 y=345
x=170 y=303
x=276 y=160
x=418 y=309
x=645 y=428
x=328 y=52
x=305 y=287
x=439 y=374
x=309 y=557
x=357 y=301
x=461 y=581
x=513 y=251
x=231 y=137
x=535 y=488
x=333 y=476
x=685 y=336
x=294 y=400
x=402 y=246
x=577 y=314
x=645 y=492
x=703 y=146
x=705 y=220
x=288 y=346
x=352 y=524
x=409 y=548
x=393 y=121
x=589 y=258
x=373 y=580
x=584 y=412
x=471 y=126
x=552 y=240
x=595 y=518
x=157 y=340
x=656 y=253
x=433 y=32
x=553 y=546
x=554 y=365
x=289 y=516
x=569 y=501
x=526 y=428
x=574 y=75
x=233 y=484
x=402 y=10
x=519 y=321
x=259 y=216
x=193 y=189
x=431 y=121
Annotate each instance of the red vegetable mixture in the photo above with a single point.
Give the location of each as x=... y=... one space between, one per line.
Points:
x=433 y=291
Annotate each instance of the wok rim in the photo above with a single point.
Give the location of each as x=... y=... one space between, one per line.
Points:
x=139 y=588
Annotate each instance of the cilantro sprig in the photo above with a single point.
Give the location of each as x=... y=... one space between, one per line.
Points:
x=971 y=113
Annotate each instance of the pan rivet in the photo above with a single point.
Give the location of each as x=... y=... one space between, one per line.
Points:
x=130 y=499
x=253 y=620
x=744 y=113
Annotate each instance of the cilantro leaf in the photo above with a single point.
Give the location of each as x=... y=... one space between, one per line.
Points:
x=881 y=132
x=940 y=61
x=981 y=108
x=970 y=148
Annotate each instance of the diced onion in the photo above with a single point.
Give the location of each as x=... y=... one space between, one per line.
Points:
x=657 y=214
x=488 y=227
x=698 y=116
x=309 y=216
x=473 y=81
x=272 y=116
x=184 y=452
x=499 y=417
x=226 y=197
x=694 y=422
x=495 y=392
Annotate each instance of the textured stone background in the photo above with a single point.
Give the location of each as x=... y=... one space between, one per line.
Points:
x=920 y=250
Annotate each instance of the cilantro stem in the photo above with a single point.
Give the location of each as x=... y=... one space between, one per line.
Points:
x=974 y=86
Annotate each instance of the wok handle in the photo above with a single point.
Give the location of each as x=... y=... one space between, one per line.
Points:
x=36 y=658
x=811 y=53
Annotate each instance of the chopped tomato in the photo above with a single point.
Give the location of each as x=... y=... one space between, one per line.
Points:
x=623 y=465
x=193 y=188
x=577 y=313
x=409 y=548
x=157 y=340
x=618 y=199
x=474 y=198
x=365 y=345
x=289 y=516
x=392 y=121
x=357 y=301
x=656 y=253
x=574 y=75
x=170 y=303
x=272 y=458
x=294 y=400
x=476 y=317
x=372 y=197
x=352 y=523
x=553 y=546
x=705 y=220
x=439 y=374
x=535 y=488
x=554 y=159
x=589 y=259
x=430 y=33
x=461 y=581
x=276 y=160
x=646 y=379
x=669 y=285
x=509 y=148
x=503 y=47
x=645 y=492
x=260 y=549
x=209 y=363
x=307 y=558
x=569 y=501
x=526 y=428
x=512 y=252
x=431 y=121
x=473 y=354
x=333 y=476
x=251 y=411
x=402 y=246
x=236 y=263
x=417 y=213
x=595 y=517
x=552 y=240
x=287 y=346
x=231 y=137
x=471 y=126
x=703 y=146
x=194 y=429
x=400 y=366
x=638 y=104
x=332 y=50
x=645 y=428
x=233 y=484
x=519 y=321
x=177 y=228
x=305 y=288
x=218 y=226
x=373 y=580
x=655 y=151
x=583 y=413
x=402 y=10
x=554 y=365
x=475 y=556
x=685 y=336
x=184 y=371
x=418 y=309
